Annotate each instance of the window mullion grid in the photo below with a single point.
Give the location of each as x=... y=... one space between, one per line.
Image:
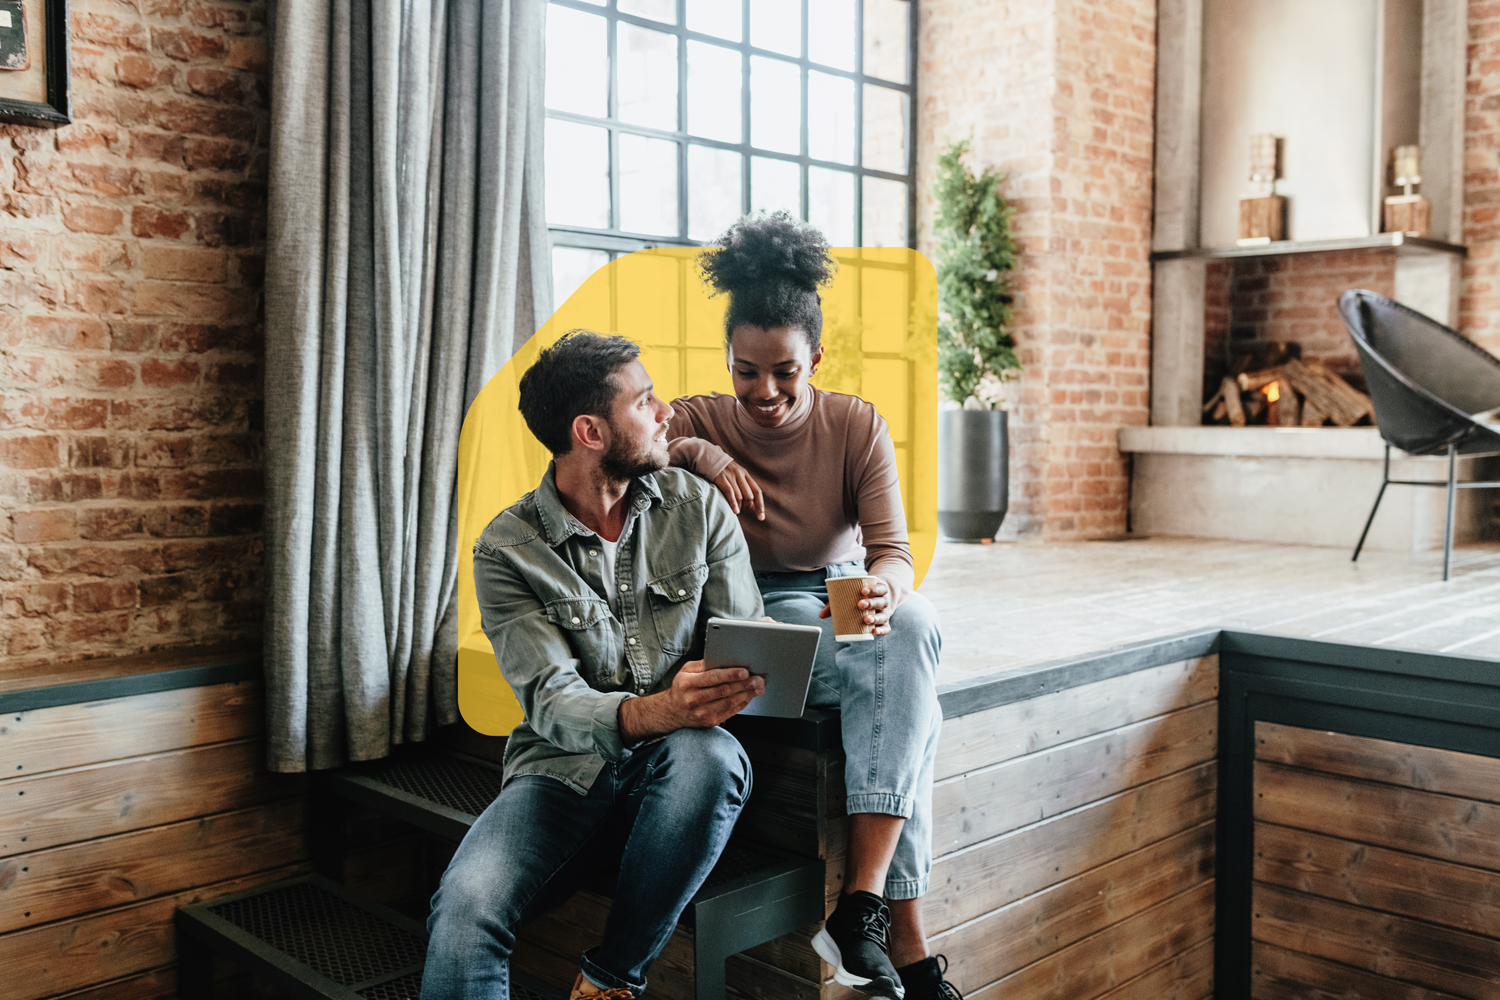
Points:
x=745 y=147
x=805 y=153
x=612 y=108
x=745 y=158
x=859 y=123
x=911 y=124
x=682 y=121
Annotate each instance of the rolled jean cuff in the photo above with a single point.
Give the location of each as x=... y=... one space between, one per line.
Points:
x=605 y=980
x=906 y=888
x=885 y=803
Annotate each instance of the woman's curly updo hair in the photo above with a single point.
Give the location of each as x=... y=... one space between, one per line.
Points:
x=771 y=266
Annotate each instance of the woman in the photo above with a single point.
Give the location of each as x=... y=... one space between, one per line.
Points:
x=812 y=475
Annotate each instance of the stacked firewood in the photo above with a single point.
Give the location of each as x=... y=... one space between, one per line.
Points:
x=1295 y=393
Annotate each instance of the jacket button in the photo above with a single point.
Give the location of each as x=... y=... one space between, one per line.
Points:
x=682 y=593
x=624 y=587
x=631 y=641
x=576 y=619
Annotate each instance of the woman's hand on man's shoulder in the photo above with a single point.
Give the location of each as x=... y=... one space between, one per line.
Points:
x=741 y=490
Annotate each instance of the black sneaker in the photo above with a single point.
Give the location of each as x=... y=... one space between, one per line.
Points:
x=853 y=941
x=924 y=980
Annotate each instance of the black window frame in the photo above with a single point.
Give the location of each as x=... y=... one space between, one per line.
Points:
x=616 y=241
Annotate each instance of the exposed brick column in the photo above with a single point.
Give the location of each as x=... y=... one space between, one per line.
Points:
x=1479 y=304
x=131 y=255
x=1058 y=93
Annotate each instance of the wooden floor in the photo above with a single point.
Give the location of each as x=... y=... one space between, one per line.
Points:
x=1009 y=605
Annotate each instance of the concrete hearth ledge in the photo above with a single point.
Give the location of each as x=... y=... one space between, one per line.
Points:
x=1257 y=442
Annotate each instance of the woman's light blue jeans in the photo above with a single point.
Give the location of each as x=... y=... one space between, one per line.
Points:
x=664 y=814
x=886 y=693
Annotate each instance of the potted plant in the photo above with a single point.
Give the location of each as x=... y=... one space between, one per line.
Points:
x=976 y=354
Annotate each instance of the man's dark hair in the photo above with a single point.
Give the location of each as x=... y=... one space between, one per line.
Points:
x=572 y=378
x=771 y=266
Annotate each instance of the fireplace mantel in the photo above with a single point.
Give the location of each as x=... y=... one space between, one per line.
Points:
x=1258 y=442
x=1296 y=485
x=1403 y=244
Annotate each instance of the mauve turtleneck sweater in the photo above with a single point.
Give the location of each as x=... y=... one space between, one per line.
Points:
x=828 y=474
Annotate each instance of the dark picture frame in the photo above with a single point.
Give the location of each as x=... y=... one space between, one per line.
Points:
x=54 y=63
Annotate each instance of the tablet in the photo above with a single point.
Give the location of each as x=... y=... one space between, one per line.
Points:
x=782 y=654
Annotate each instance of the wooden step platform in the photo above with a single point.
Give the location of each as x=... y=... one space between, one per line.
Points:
x=753 y=895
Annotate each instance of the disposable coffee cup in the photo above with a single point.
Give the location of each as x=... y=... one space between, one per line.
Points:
x=848 y=617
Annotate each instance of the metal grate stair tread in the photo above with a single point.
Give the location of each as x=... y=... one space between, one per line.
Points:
x=313 y=938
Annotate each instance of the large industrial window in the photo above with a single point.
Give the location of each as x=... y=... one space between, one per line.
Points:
x=668 y=119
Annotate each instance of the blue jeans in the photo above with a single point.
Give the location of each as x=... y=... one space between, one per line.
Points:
x=664 y=814
x=886 y=693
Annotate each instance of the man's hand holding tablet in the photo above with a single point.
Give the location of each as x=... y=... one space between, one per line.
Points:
x=781 y=655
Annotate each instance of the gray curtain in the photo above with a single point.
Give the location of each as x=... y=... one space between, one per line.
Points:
x=406 y=261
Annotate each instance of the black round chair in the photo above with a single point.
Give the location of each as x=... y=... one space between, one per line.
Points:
x=1426 y=382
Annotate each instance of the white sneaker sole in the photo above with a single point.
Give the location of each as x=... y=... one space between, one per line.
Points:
x=828 y=951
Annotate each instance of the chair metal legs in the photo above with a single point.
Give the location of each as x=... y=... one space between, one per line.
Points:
x=1453 y=486
x=1385 y=480
x=1452 y=495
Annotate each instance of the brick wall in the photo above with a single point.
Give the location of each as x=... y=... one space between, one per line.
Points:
x=131 y=255
x=1296 y=299
x=1479 y=306
x=1059 y=94
x=1218 y=290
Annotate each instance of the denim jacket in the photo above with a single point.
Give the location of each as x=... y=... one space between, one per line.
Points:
x=538 y=573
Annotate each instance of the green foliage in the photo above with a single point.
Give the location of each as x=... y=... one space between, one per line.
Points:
x=975 y=255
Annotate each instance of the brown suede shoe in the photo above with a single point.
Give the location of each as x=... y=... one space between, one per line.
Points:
x=585 y=990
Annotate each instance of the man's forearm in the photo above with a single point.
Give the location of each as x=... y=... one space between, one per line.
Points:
x=646 y=717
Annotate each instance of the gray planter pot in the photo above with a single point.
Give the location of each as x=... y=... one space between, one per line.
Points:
x=973 y=473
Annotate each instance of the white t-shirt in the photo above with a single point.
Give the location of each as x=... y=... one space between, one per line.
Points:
x=610 y=587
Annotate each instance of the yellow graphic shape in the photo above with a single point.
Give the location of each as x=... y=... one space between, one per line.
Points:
x=879 y=343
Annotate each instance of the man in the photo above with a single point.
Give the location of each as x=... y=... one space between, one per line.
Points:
x=593 y=590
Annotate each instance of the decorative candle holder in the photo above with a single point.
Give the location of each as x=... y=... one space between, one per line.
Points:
x=1263 y=214
x=1407 y=212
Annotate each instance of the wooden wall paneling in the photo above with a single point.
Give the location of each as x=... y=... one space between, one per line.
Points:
x=1004 y=940
x=389 y=873
x=98 y=800
x=1409 y=885
x=112 y=944
x=61 y=882
x=156 y=984
x=1188 y=975
x=1439 y=958
x=1278 y=974
x=49 y=739
x=1115 y=955
x=783 y=810
x=578 y=925
x=542 y=963
x=972 y=882
x=1446 y=771
x=1013 y=730
x=555 y=940
x=985 y=803
x=231 y=982
x=796 y=793
x=793 y=953
x=748 y=979
x=1426 y=823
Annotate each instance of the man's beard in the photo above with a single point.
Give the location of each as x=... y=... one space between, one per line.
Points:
x=623 y=462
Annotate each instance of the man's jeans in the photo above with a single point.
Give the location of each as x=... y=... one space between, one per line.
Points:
x=664 y=814
x=886 y=692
